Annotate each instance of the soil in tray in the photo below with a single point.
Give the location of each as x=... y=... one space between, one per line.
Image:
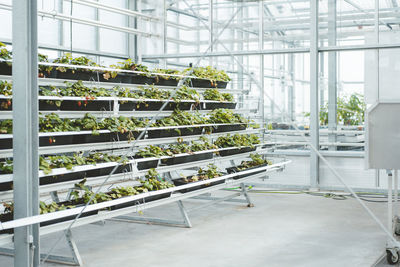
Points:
x=229 y=152
x=207 y=84
x=140 y=201
x=181 y=181
x=172 y=132
x=79 y=75
x=228 y=128
x=186 y=159
x=5 y=68
x=6 y=143
x=226 y=105
x=75 y=106
x=235 y=169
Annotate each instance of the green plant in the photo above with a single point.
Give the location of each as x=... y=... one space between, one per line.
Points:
x=216 y=95
x=166 y=71
x=237 y=140
x=4 y=53
x=53 y=123
x=52 y=207
x=6 y=167
x=256 y=160
x=128 y=64
x=204 y=174
x=185 y=93
x=209 y=73
x=81 y=61
x=350 y=110
x=43 y=68
x=150 y=152
x=226 y=116
x=153 y=181
x=5 y=126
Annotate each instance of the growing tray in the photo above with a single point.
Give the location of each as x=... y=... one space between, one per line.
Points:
x=235 y=151
x=171 y=132
x=79 y=75
x=140 y=201
x=186 y=159
x=164 y=82
x=181 y=181
x=207 y=84
x=143 y=165
x=214 y=105
x=3 y=104
x=228 y=128
x=73 y=105
x=235 y=170
x=5 y=68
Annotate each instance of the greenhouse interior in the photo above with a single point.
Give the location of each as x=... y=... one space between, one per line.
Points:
x=247 y=131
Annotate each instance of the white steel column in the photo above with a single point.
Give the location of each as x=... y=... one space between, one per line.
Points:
x=25 y=129
x=314 y=110
x=211 y=25
x=332 y=75
x=261 y=47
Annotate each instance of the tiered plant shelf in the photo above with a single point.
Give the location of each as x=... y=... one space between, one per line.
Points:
x=112 y=117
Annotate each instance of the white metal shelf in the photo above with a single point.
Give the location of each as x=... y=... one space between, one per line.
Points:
x=102 y=215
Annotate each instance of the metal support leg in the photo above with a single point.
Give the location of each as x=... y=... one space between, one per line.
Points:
x=246 y=195
x=396 y=218
x=137 y=219
x=75 y=260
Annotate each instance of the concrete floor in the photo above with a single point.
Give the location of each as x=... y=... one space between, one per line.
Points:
x=281 y=230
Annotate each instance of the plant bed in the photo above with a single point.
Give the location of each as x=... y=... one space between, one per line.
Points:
x=182 y=181
x=172 y=132
x=120 y=78
x=164 y=82
x=234 y=151
x=5 y=104
x=228 y=128
x=201 y=83
x=6 y=143
x=5 y=68
x=80 y=75
x=56 y=140
x=75 y=105
x=226 y=105
x=140 y=79
x=235 y=169
x=143 y=165
x=145 y=106
x=186 y=159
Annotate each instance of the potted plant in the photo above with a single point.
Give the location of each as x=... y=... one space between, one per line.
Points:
x=226 y=100
x=70 y=73
x=244 y=142
x=208 y=77
x=226 y=116
x=6 y=90
x=143 y=77
x=150 y=151
x=202 y=174
x=165 y=77
x=5 y=67
x=256 y=161
x=178 y=118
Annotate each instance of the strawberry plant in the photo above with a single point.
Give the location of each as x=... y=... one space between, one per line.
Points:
x=209 y=73
x=4 y=53
x=237 y=140
x=216 y=95
x=68 y=59
x=226 y=116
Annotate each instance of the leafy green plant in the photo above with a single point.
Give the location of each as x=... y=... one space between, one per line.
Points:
x=256 y=160
x=350 y=110
x=150 y=152
x=209 y=73
x=237 y=140
x=153 y=181
x=42 y=68
x=5 y=126
x=128 y=64
x=80 y=61
x=166 y=71
x=226 y=116
x=179 y=117
x=216 y=95
x=6 y=167
x=4 y=53
x=204 y=174
x=185 y=93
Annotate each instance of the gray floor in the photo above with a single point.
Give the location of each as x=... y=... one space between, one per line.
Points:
x=281 y=230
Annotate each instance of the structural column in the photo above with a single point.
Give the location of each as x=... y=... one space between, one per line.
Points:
x=261 y=47
x=25 y=129
x=314 y=110
x=332 y=74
